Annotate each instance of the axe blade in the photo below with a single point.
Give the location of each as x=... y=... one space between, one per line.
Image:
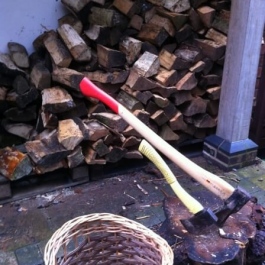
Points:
x=200 y=221
x=232 y=205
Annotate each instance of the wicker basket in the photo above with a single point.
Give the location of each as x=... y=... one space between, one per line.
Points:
x=105 y=238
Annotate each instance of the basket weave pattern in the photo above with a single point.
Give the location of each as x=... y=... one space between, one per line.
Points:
x=105 y=238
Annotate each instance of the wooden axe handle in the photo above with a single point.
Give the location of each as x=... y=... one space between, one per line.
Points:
x=210 y=181
x=192 y=204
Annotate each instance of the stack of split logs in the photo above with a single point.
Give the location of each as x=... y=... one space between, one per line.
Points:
x=163 y=60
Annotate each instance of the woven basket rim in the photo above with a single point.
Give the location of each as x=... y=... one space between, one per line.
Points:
x=67 y=229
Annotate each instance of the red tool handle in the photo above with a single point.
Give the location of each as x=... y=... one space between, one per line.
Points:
x=91 y=90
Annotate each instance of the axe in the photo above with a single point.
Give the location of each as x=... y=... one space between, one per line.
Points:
x=234 y=198
x=202 y=217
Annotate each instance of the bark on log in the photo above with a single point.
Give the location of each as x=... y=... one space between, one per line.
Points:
x=14 y=164
x=18 y=54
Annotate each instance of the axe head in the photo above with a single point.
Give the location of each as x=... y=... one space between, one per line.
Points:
x=200 y=221
x=232 y=205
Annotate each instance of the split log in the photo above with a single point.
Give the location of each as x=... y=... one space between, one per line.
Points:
x=91 y=157
x=210 y=80
x=21 y=85
x=138 y=82
x=75 y=6
x=153 y=34
x=130 y=102
x=19 y=54
x=27 y=98
x=95 y=130
x=164 y=91
x=170 y=110
x=116 y=154
x=195 y=20
x=142 y=96
x=184 y=33
x=214 y=92
x=167 y=133
x=216 y=36
x=168 y=60
x=99 y=76
x=14 y=164
x=40 y=76
x=110 y=58
x=181 y=97
x=177 y=6
x=136 y=22
x=159 y=117
x=131 y=47
x=167 y=77
x=39 y=169
x=107 y=17
x=98 y=34
x=69 y=133
x=195 y=106
x=131 y=141
x=46 y=151
x=73 y=21
x=163 y=22
x=187 y=82
x=59 y=53
x=189 y=54
x=75 y=158
x=100 y=147
x=7 y=66
x=127 y=7
x=160 y=101
x=75 y=44
x=178 y=19
x=212 y=107
x=177 y=123
x=204 y=121
x=67 y=77
x=221 y=21
x=111 y=120
x=211 y=49
x=208 y=65
x=56 y=100
x=198 y=67
x=147 y=65
x=22 y=130
x=206 y=14
x=48 y=120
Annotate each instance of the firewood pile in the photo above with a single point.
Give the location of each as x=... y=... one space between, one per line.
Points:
x=163 y=60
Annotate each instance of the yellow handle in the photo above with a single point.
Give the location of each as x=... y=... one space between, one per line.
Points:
x=193 y=205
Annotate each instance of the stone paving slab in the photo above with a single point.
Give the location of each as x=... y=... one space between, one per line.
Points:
x=26 y=225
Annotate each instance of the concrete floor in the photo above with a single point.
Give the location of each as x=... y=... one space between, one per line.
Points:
x=27 y=224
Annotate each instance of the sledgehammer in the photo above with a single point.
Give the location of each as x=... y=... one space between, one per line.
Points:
x=234 y=199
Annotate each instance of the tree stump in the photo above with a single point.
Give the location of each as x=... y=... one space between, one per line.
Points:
x=213 y=245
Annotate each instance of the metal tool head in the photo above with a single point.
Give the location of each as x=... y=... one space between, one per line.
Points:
x=200 y=221
x=232 y=205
